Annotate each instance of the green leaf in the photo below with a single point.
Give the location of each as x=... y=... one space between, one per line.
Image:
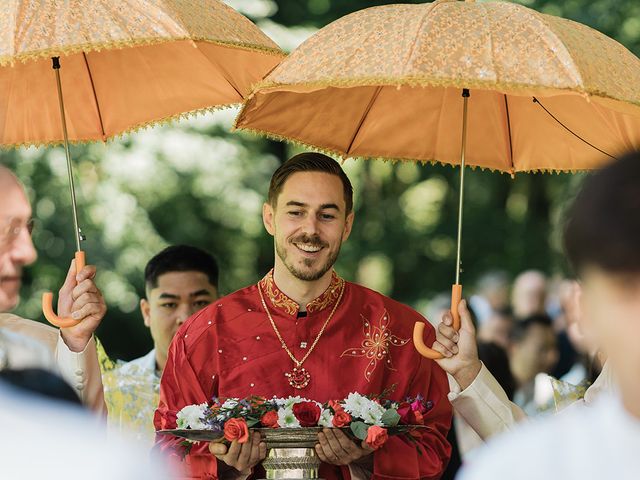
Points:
x=252 y=422
x=359 y=429
x=391 y=417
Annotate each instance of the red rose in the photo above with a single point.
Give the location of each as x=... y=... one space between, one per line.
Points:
x=335 y=405
x=341 y=419
x=236 y=429
x=376 y=436
x=270 y=419
x=307 y=413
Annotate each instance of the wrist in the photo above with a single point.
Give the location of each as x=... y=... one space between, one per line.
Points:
x=467 y=374
x=76 y=343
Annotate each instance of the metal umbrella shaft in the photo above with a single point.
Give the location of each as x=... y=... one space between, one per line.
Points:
x=47 y=297
x=74 y=208
x=456 y=289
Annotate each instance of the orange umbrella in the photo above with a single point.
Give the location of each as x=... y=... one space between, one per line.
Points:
x=126 y=64
x=492 y=84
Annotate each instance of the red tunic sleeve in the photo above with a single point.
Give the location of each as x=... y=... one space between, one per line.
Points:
x=181 y=386
x=427 y=456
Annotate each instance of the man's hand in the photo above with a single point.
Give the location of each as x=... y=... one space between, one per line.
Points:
x=241 y=456
x=80 y=299
x=459 y=348
x=338 y=449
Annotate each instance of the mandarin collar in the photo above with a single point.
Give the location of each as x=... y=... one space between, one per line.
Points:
x=282 y=302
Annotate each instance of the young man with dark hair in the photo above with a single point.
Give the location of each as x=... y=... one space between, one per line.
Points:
x=602 y=239
x=179 y=281
x=303 y=330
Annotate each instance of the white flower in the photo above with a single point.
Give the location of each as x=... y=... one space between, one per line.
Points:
x=230 y=403
x=326 y=419
x=286 y=418
x=191 y=416
x=290 y=401
x=356 y=405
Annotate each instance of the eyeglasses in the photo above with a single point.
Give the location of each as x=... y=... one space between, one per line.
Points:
x=11 y=231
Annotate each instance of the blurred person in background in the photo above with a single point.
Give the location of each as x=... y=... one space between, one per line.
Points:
x=179 y=281
x=73 y=349
x=529 y=294
x=533 y=351
x=492 y=295
x=497 y=329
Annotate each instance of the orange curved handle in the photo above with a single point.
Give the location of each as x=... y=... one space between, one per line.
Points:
x=418 y=328
x=47 y=301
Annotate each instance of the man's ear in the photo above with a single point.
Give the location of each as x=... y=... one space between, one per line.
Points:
x=348 y=225
x=268 y=215
x=145 y=308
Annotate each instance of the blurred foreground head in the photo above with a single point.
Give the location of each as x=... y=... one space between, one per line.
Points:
x=16 y=247
x=602 y=241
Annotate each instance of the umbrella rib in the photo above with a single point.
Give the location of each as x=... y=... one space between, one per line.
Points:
x=535 y=100
x=95 y=96
x=364 y=117
x=506 y=107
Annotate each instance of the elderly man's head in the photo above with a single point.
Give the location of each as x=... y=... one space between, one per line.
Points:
x=16 y=247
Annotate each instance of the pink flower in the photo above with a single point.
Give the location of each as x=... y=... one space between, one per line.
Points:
x=376 y=436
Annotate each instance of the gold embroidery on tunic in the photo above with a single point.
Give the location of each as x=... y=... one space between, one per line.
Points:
x=280 y=300
x=376 y=345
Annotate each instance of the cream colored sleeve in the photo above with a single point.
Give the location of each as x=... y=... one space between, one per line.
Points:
x=484 y=405
x=82 y=371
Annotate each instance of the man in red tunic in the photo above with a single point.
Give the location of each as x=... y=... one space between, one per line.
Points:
x=303 y=330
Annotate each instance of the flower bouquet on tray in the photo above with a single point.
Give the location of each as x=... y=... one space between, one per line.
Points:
x=295 y=421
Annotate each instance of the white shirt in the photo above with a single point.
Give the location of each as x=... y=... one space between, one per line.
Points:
x=47 y=440
x=601 y=441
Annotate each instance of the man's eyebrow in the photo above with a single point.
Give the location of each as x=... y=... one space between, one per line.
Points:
x=200 y=292
x=292 y=203
x=324 y=206
x=168 y=295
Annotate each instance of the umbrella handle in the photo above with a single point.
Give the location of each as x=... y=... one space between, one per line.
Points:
x=418 y=328
x=47 y=301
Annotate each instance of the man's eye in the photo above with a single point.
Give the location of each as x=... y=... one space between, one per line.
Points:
x=169 y=305
x=201 y=303
x=327 y=216
x=295 y=213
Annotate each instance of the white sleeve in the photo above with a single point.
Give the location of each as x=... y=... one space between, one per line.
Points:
x=82 y=371
x=484 y=405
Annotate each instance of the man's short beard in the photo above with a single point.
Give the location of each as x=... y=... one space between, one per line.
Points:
x=308 y=276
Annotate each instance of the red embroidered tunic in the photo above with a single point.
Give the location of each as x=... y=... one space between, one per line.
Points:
x=229 y=349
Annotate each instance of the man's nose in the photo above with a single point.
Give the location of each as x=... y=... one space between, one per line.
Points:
x=183 y=312
x=23 y=251
x=311 y=225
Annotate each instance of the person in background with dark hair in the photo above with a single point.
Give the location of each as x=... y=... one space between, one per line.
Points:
x=179 y=281
x=41 y=383
x=304 y=331
x=533 y=350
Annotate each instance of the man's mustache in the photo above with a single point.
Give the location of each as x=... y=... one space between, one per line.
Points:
x=313 y=240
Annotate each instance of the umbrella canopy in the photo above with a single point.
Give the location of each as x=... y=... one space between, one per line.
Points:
x=124 y=64
x=492 y=84
x=386 y=82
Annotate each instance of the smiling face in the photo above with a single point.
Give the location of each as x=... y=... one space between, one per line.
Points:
x=177 y=296
x=309 y=223
x=16 y=247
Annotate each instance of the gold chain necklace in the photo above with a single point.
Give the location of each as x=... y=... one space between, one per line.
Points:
x=299 y=377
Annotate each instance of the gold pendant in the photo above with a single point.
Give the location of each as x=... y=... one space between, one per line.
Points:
x=298 y=377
